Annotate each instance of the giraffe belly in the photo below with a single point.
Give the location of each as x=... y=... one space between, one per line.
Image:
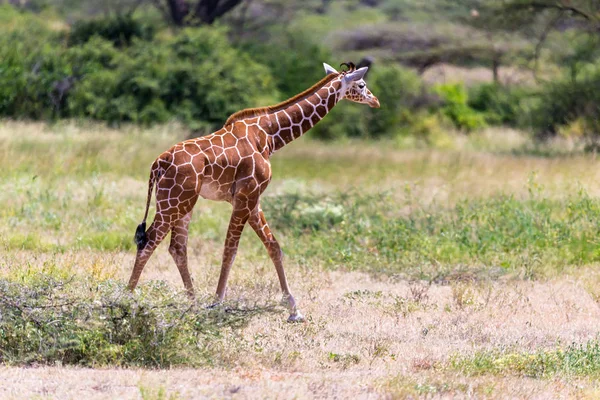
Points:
x=214 y=191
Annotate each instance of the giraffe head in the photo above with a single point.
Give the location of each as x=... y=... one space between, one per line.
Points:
x=354 y=87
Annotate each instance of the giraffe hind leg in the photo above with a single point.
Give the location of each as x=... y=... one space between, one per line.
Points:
x=156 y=233
x=178 y=250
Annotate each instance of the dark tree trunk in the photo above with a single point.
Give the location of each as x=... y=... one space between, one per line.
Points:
x=204 y=11
x=207 y=11
x=496 y=69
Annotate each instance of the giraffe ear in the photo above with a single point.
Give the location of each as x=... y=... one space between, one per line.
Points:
x=329 y=69
x=356 y=75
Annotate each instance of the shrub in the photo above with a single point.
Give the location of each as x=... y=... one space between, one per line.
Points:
x=28 y=77
x=499 y=104
x=456 y=107
x=295 y=62
x=120 y=30
x=30 y=65
x=564 y=101
x=400 y=92
x=52 y=320
x=194 y=76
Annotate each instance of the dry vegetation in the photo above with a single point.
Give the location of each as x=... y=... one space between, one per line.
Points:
x=458 y=325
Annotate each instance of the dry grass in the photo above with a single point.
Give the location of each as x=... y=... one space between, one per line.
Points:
x=364 y=337
x=367 y=335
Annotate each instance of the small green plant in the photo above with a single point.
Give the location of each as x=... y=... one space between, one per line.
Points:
x=150 y=393
x=345 y=360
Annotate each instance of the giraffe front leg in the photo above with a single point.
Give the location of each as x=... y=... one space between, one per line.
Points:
x=261 y=227
x=238 y=219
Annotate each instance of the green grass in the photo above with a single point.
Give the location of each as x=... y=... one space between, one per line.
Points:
x=533 y=237
x=354 y=206
x=581 y=360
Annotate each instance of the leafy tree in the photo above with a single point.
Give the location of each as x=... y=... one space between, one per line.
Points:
x=422 y=46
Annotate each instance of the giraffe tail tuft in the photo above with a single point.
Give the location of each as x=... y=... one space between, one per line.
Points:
x=140 y=236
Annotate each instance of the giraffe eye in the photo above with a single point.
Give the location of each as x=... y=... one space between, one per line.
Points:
x=361 y=85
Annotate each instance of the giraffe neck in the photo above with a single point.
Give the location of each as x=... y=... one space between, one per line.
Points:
x=290 y=123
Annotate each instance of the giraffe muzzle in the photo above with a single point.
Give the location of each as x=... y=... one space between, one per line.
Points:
x=374 y=102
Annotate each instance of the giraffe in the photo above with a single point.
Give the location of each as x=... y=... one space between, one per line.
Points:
x=232 y=165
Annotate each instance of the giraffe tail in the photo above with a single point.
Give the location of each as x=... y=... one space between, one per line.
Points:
x=140 y=237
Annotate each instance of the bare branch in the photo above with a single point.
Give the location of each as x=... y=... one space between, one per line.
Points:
x=562 y=6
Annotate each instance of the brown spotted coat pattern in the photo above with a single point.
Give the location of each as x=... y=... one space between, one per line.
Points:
x=231 y=165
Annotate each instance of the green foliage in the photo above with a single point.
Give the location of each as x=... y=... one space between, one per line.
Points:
x=499 y=104
x=194 y=76
x=500 y=233
x=574 y=360
x=30 y=65
x=456 y=107
x=397 y=89
x=294 y=61
x=306 y=212
x=120 y=30
x=401 y=94
x=48 y=320
x=563 y=101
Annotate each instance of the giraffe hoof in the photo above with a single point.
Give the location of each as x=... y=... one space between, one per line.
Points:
x=296 y=317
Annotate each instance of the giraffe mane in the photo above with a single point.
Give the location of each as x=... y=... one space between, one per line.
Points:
x=258 y=111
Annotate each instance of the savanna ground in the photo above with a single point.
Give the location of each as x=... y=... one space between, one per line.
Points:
x=465 y=272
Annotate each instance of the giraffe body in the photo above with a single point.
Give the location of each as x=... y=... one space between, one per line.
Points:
x=233 y=165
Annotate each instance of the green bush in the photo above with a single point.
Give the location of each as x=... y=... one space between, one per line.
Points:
x=456 y=107
x=565 y=101
x=28 y=77
x=295 y=62
x=120 y=30
x=399 y=91
x=499 y=104
x=31 y=64
x=195 y=76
